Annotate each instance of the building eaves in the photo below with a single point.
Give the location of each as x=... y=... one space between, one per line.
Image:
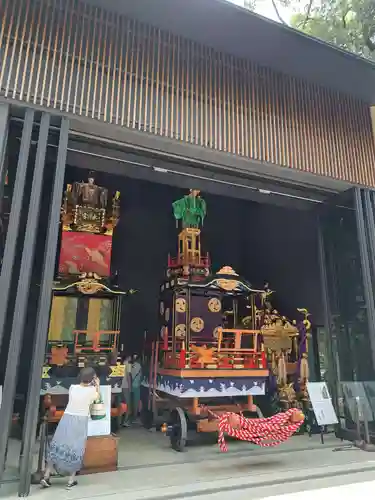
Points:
x=237 y=31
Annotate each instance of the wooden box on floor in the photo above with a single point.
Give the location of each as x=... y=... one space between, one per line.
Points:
x=100 y=455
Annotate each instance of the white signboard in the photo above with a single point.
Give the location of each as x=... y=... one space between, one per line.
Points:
x=356 y=401
x=102 y=427
x=322 y=403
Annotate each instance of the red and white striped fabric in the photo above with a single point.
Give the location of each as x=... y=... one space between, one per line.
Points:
x=267 y=432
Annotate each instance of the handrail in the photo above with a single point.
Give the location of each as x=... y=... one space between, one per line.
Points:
x=238 y=333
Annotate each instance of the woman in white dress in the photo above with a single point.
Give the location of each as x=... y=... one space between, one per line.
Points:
x=67 y=448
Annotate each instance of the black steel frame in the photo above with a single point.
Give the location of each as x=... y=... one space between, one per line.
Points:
x=20 y=307
x=327 y=313
x=4 y=127
x=14 y=221
x=31 y=414
x=365 y=243
x=33 y=121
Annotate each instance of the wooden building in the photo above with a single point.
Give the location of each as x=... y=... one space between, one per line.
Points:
x=202 y=88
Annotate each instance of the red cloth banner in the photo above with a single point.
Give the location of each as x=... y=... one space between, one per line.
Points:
x=85 y=253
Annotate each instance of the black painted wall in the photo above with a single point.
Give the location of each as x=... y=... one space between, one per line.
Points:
x=261 y=242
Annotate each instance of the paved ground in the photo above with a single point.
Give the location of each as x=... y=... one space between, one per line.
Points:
x=358 y=486
x=150 y=470
x=140 y=448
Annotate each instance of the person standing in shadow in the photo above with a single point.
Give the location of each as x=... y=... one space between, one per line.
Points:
x=126 y=391
x=135 y=388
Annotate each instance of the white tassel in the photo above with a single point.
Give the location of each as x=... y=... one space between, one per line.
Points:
x=281 y=370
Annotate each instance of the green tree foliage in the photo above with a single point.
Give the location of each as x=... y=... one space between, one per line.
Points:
x=349 y=24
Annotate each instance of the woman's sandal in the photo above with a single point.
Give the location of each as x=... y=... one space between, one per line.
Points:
x=45 y=483
x=69 y=486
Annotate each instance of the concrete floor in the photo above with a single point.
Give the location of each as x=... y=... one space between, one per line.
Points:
x=150 y=469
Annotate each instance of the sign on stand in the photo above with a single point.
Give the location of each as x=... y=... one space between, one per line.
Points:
x=102 y=427
x=321 y=402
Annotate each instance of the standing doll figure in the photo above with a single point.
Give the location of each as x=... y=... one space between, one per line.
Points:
x=136 y=379
x=126 y=388
x=67 y=448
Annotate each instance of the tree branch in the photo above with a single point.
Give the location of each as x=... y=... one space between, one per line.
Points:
x=277 y=12
x=368 y=33
x=307 y=15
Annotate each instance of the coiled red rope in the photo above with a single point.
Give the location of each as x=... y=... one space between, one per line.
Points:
x=266 y=432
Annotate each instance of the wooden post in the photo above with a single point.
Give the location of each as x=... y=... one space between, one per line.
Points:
x=250 y=403
x=155 y=372
x=372 y=114
x=150 y=375
x=195 y=406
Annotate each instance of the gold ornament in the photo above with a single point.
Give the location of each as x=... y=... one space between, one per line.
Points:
x=167 y=314
x=228 y=271
x=89 y=286
x=204 y=355
x=227 y=285
x=197 y=325
x=216 y=332
x=214 y=305
x=180 y=331
x=118 y=370
x=181 y=305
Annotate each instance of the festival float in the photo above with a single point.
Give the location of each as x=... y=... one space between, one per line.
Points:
x=210 y=361
x=285 y=343
x=84 y=327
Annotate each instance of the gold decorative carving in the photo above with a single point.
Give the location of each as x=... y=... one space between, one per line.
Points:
x=117 y=371
x=216 y=332
x=86 y=208
x=197 y=324
x=90 y=286
x=204 y=355
x=180 y=331
x=181 y=305
x=214 y=305
x=228 y=271
x=287 y=394
x=227 y=285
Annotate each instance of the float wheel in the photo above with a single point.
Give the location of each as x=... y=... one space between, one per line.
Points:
x=178 y=432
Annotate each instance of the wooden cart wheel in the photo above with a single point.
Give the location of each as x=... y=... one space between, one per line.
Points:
x=178 y=435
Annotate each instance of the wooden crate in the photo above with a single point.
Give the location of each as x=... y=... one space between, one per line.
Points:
x=101 y=454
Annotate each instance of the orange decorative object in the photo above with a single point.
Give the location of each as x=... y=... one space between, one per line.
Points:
x=204 y=355
x=59 y=356
x=297 y=416
x=85 y=253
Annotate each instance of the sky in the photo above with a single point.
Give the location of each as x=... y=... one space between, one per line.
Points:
x=265 y=8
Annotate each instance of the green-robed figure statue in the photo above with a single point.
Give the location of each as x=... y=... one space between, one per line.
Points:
x=190 y=209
